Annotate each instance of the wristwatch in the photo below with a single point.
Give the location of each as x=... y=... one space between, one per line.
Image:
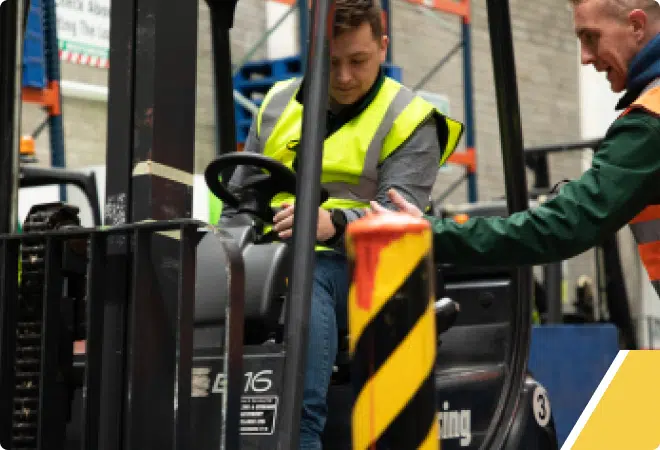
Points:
x=338 y=219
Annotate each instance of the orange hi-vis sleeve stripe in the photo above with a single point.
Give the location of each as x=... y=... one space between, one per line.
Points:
x=650 y=255
x=648 y=101
x=648 y=214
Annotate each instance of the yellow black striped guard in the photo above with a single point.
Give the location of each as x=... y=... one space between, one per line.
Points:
x=392 y=333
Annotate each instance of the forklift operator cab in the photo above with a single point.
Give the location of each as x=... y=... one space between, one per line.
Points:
x=471 y=363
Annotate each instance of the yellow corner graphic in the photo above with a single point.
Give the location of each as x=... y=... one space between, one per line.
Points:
x=623 y=412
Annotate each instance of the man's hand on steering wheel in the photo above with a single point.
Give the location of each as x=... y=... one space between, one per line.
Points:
x=283 y=224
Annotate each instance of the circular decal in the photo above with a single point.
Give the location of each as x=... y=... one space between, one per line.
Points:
x=541 y=406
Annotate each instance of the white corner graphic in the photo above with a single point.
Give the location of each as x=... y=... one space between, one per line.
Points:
x=595 y=398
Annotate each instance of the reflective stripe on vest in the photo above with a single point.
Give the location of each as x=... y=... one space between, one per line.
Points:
x=353 y=153
x=646 y=225
x=646 y=230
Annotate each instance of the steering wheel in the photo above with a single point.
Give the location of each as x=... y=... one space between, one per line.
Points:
x=258 y=190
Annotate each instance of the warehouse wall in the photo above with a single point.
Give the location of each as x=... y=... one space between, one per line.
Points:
x=547 y=71
x=546 y=65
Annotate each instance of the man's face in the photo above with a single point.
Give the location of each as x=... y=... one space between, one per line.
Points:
x=608 y=42
x=355 y=61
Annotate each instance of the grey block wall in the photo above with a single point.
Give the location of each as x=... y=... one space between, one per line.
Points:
x=546 y=64
x=547 y=72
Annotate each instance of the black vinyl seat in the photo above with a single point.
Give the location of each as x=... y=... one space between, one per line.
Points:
x=266 y=269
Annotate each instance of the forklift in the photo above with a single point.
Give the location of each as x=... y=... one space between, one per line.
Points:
x=194 y=335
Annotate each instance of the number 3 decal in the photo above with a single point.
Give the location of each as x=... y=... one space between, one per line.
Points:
x=541 y=406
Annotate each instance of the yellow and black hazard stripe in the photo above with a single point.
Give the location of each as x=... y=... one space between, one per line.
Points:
x=392 y=334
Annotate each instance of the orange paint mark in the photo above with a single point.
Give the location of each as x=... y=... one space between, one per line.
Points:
x=367 y=256
x=370 y=236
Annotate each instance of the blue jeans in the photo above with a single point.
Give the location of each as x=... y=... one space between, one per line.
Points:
x=328 y=311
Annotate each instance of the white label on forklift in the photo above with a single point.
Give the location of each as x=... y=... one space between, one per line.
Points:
x=255 y=382
x=258 y=414
x=541 y=406
x=455 y=424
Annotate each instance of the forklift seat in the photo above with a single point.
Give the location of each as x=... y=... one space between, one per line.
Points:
x=265 y=280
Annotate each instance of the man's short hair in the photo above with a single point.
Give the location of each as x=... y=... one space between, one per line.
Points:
x=351 y=14
x=621 y=8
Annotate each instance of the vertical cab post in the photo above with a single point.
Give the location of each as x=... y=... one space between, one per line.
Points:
x=308 y=195
x=222 y=20
x=508 y=112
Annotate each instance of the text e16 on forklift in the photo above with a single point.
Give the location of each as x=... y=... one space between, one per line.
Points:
x=194 y=338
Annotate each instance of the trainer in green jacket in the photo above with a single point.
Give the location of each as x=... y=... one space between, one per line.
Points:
x=623 y=184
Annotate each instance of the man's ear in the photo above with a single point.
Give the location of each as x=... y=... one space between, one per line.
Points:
x=638 y=20
x=384 y=42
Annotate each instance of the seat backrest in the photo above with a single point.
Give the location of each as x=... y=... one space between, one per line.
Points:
x=265 y=268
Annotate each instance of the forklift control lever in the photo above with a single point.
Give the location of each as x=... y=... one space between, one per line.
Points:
x=446 y=311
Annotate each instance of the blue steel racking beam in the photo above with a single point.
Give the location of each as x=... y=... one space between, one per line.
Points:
x=41 y=75
x=303 y=30
x=52 y=57
x=387 y=11
x=470 y=135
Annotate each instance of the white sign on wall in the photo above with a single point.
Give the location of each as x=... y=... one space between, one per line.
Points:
x=83 y=31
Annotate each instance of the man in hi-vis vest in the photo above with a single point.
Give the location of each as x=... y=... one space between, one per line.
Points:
x=620 y=38
x=380 y=136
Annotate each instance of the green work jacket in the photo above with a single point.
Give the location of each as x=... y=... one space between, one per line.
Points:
x=624 y=178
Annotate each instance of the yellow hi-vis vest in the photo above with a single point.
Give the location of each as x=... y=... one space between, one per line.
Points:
x=352 y=154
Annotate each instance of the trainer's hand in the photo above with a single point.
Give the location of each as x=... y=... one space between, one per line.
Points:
x=402 y=205
x=283 y=223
